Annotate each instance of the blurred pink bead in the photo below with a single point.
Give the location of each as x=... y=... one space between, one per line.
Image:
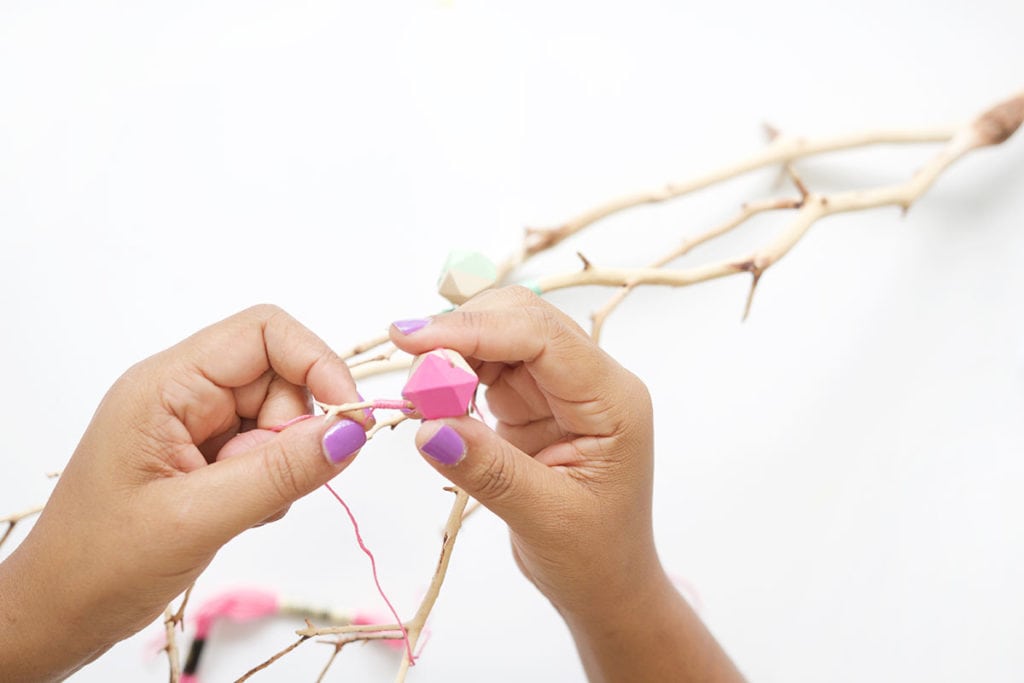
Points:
x=242 y=604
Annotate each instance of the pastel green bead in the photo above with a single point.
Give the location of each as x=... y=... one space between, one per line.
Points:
x=465 y=274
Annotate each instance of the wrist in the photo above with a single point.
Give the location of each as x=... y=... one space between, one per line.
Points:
x=652 y=635
x=622 y=601
x=49 y=632
x=616 y=580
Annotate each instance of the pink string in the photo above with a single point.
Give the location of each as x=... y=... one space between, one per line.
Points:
x=376 y=579
x=289 y=423
x=384 y=404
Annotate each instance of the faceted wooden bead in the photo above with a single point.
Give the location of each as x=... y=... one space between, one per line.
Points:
x=440 y=384
x=465 y=274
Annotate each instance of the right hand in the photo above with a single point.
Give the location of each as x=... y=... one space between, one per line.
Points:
x=570 y=465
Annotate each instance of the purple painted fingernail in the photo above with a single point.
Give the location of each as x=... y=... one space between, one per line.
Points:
x=410 y=326
x=446 y=447
x=343 y=440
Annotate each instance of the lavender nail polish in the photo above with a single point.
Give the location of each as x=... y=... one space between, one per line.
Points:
x=410 y=326
x=343 y=440
x=445 y=447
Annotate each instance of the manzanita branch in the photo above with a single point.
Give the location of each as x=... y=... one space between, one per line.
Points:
x=781 y=150
x=991 y=128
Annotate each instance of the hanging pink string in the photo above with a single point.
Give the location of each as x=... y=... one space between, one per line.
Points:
x=385 y=404
x=376 y=578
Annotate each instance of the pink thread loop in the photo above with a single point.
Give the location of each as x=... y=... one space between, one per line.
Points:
x=391 y=404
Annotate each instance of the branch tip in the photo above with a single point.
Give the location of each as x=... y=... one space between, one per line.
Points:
x=1000 y=122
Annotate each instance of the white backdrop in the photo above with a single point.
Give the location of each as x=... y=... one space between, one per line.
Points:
x=839 y=477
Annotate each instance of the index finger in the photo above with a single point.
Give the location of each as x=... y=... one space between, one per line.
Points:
x=238 y=350
x=514 y=325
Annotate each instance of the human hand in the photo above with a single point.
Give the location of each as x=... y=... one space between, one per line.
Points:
x=570 y=465
x=178 y=459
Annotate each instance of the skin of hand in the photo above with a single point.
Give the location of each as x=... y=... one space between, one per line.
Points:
x=569 y=467
x=177 y=460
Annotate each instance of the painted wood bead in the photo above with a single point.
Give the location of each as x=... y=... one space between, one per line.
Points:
x=440 y=384
x=465 y=274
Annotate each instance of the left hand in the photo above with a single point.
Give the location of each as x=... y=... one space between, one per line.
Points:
x=177 y=460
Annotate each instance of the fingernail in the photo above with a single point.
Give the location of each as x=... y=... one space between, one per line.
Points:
x=446 y=446
x=410 y=326
x=343 y=440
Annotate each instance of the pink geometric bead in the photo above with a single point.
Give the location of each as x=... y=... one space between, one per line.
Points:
x=441 y=384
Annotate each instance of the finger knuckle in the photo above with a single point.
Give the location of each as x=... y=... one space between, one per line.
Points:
x=641 y=394
x=265 y=311
x=554 y=326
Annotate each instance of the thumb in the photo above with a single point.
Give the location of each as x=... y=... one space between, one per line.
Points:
x=248 y=487
x=472 y=456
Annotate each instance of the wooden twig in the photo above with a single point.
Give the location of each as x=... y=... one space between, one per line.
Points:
x=342 y=642
x=415 y=627
x=311 y=630
x=470 y=509
x=747 y=212
x=390 y=423
x=400 y=364
x=171 y=646
x=384 y=355
x=988 y=129
x=171 y=620
x=260 y=667
x=179 y=615
x=363 y=347
x=780 y=150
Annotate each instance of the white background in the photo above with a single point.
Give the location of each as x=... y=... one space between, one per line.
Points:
x=839 y=477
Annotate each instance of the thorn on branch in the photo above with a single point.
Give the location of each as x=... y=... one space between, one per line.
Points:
x=755 y=272
x=770 y=131
x=587 y=265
